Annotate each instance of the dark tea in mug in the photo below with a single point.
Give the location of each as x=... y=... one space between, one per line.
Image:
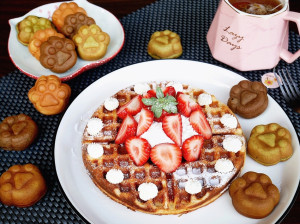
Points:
x=258 y=7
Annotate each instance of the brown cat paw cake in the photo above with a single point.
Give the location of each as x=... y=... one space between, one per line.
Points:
x=22 y=186
x=73 y=22
x=248 y=99
x=40 y=37
x=17 y=132
x=270 y=144
x=58 y=54
x=164 y=44
x=253 y=195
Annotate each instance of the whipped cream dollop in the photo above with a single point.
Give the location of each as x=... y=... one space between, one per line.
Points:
x=224 y=165
x=94 y=126
x=229 y=121
x=187 y=129
x=95 y=150
x=156 y=135
x=204 y=99
x=193 y=186
x=177 y=86
x=114 y=176
x=141 y=88
x=147 y=191
x=232 y=143
x=111 y=103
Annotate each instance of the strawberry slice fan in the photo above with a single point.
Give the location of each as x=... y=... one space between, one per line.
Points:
x=167 y=108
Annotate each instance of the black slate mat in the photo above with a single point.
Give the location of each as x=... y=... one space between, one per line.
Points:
x=190 y=19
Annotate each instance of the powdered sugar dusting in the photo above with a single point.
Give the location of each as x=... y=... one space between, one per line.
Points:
x=209 y=176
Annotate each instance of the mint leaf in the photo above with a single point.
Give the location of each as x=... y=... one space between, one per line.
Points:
x=170 y=98
x=170 y=107
x=149 y=101
x=157 y=110
x=167 y=103
x=159 y=93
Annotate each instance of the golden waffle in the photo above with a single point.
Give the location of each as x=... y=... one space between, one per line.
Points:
x=214 y=113
x=172 y=197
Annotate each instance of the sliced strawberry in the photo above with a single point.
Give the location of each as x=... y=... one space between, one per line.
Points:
x=191 y=148
x=159 y=119
x=127 y=129
x=200 y=124
x=194 y=106
x=138 y=149
x=166 y=156
x=170 y=90
x=185 y=104
x=145 y=121
x=172 y=126
x=132 y=107
x=150 y=93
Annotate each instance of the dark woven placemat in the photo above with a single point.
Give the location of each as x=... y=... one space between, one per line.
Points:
x=190 y=19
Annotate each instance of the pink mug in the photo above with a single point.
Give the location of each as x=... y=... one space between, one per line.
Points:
x=251 y=42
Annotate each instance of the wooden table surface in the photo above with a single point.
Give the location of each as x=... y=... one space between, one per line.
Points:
x=120 y=8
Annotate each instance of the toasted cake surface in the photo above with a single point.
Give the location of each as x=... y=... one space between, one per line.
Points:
x=172 y=196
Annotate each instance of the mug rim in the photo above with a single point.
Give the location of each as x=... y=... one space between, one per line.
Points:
x=284 y=8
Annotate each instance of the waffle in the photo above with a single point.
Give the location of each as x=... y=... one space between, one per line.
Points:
x=172 y=197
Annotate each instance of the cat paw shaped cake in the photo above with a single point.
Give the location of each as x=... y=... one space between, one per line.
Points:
x=254 y=195
x=28 y=26
x=270 y=144
x=58 y=54
x=65 y=9
x=73 y=22
x=248 y=99
x=164 y=44
x=49 y=96
x=40 y=37
x=22 y=186
x=91 y=42
x=17 y=132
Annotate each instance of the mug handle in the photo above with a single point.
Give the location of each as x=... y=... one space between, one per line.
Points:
x=285 y=54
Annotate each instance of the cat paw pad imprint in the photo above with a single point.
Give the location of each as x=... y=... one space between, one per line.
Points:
x=17 y=132
x=40 y=37
x=270 y=144
x=28 y=26
x=22 y=186
x=254 y=195
x=49 y=96
x=164 y=44
x=58 y=54
x=91 y=42
x=73 y=22
x=248 y=99
x=63 y=11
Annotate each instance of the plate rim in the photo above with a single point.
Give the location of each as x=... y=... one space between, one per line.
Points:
x=89 y=64
x=283 y=214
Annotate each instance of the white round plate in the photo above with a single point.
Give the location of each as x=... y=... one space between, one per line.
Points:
x=30 y=66
x=95 y=207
